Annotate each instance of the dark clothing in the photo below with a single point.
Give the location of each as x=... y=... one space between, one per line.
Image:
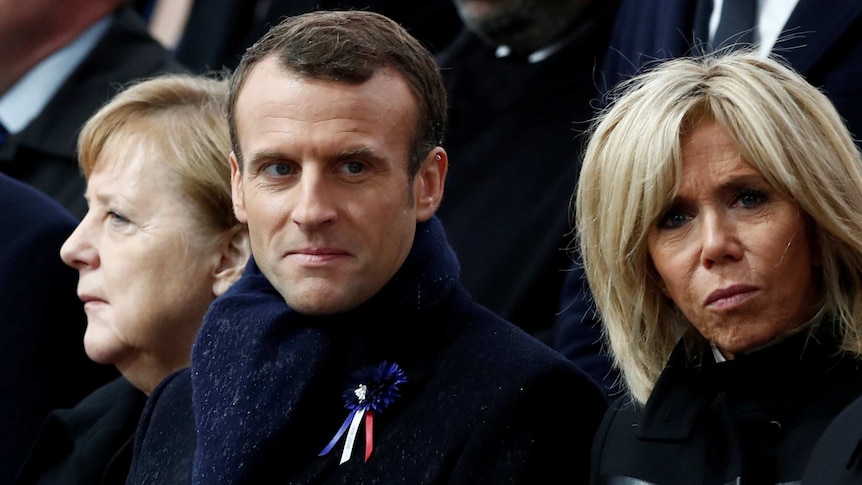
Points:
x=753 y=419
x=483 y=402
x=836 y=459
x=219 y=31
x=822 y=40
x=90 y=444
x=42 y=322
x=44 y=153
x=514 y=143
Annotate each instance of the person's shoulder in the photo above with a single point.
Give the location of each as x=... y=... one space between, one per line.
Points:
x=518 y=360
x=22 y=202
x=836 y=459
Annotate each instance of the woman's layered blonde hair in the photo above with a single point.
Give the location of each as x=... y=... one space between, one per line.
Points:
x=183 y=122
x=783 y=126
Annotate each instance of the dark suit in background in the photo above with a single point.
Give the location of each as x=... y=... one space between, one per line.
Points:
x=219 y=31
x=41 y=321
x=822 y=40
x=44 y=153
x=514 y=141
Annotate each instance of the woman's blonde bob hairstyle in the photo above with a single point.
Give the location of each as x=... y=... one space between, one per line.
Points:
x=182 y=121
x=784 y=127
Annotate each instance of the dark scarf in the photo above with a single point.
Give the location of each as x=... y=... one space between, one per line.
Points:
x=268 y=382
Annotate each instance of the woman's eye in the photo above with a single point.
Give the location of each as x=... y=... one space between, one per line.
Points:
x=116 y=217
x=673 y=218
x=278 y=169
x=750 y=198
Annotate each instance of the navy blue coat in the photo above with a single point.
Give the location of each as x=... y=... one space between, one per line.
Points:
x=483 y=402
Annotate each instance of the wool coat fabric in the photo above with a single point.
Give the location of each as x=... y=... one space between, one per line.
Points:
x=90 y=444
x=753 y=419
x=483 y=402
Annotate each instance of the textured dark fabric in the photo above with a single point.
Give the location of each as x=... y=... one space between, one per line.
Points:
x=43 y=154
x=42 y=361
x=484 y=401
x=837 y=457
x=90 y=444
x=754 y=419
x=165 y=439
x=514 y=144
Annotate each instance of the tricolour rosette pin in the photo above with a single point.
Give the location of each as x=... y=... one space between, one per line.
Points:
x=372 y=390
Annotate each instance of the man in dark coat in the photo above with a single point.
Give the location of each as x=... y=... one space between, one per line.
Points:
x=349 y=351
x=62 y=61
x=521 y=80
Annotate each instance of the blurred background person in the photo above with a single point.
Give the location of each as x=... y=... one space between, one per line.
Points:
x=521 y=79
x=43 y=321
x=158 y=244
x=213 y=34
x=719 y=212
x=61 y=62
x=820 y=39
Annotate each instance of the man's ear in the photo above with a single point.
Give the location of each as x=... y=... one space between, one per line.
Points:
x=233 y=256
x=236 y=189
x=429 y=183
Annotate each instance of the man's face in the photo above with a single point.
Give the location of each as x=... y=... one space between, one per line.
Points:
x=524 y=25
x=324 y=187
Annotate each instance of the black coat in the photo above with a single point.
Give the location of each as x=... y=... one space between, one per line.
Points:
x=43 y=365
x=836 y=459
x=90 y=444
x=44 y=153
x=754 y=419
x=514 y=143
x=483 y=402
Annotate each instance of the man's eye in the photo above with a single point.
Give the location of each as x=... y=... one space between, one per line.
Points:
x=354 y=168
x=278 y=169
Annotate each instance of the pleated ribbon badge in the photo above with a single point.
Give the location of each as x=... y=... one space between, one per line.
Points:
x=371 y=390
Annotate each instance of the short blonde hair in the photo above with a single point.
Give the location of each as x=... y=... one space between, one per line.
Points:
x=786 y=128
x=182 y=119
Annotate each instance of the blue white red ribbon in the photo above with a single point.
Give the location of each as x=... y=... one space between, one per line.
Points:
x=372 y=390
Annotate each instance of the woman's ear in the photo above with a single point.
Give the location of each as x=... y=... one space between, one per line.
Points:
x=429 y=183
x=234 y=253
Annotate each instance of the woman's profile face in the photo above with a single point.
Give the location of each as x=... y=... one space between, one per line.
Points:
x=145 y=269
x=732 y=253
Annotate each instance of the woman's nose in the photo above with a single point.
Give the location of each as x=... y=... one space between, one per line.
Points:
x=78 y=251
x=719 y=239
